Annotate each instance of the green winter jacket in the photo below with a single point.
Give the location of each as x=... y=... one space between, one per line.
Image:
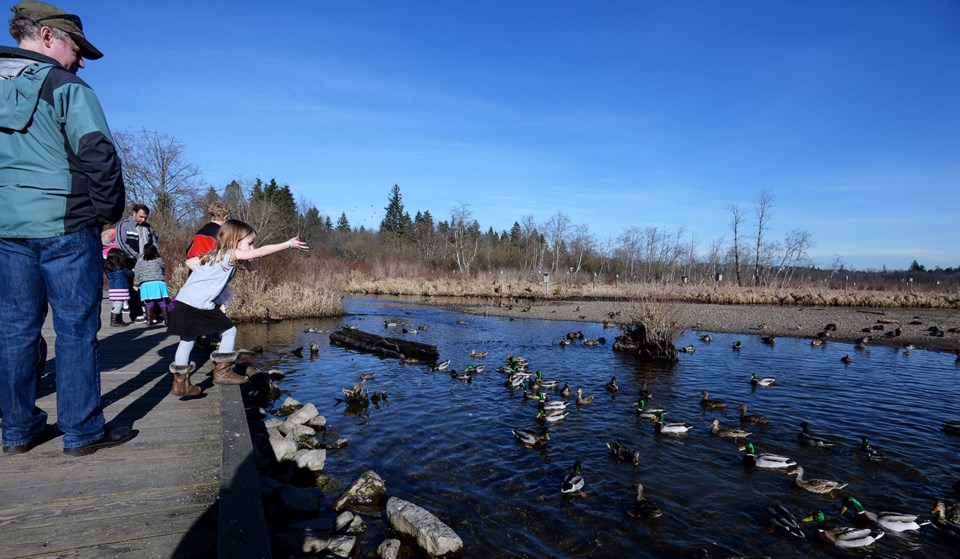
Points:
x=59 y=170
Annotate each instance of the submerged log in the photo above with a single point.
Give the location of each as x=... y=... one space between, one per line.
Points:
x=385 y=347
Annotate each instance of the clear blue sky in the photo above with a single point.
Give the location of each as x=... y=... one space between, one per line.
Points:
x=618 y=114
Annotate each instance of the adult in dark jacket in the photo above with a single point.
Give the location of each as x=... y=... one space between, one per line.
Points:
x=60 y=179
x=133 y=234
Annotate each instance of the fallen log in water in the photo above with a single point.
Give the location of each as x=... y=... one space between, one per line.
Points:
x=385 y=347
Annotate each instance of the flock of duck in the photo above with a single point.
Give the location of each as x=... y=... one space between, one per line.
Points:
x=868 y=526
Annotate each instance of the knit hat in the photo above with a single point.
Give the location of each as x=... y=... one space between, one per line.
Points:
x=54 y=17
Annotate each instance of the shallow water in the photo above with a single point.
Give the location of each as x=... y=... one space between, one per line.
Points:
x=447 y=445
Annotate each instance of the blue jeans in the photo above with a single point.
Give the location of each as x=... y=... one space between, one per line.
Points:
x=67 y=273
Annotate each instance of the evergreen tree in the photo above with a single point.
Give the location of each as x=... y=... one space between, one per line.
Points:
x=342 y=223
x=396 y=221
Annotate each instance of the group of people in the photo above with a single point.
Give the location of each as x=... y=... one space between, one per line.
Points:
x=60 y=183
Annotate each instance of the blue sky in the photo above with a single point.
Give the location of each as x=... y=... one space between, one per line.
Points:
x=618 y=114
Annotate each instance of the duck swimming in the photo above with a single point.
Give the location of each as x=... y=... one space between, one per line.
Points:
x=565 y=391
x=644 y=394
x=674 y=429
x=843 y=537
x=819 y=486
x=757 y=380
x=531 y=438
x=890 y=521
x=727 y=432
x=737 y=345
x=643 y=507
x=706 y=402
x=781 y=519
x=612 y=385
x=624 y=454
x=765 y=461
x=573 y=482
x=867 y=451
x=552 y=416
x=583 y=400
x=644 y=412
x=806 y=439
x=748 y=418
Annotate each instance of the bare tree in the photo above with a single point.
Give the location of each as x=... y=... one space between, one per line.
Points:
x=557 y=231
x=581 y=243
x=464 y=237
x=157 y=173
x=736 y=221
x=763 y=209
x=795 y=247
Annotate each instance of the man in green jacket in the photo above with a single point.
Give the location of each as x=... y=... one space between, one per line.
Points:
x=60 y=179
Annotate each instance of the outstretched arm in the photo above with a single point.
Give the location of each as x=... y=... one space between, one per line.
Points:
x=270 y=249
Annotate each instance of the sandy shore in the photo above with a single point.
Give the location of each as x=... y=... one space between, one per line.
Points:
x=761 y=320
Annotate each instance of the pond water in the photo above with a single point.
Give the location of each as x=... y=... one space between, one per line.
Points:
x=447 y=445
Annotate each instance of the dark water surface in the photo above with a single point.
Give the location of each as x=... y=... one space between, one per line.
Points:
x=447 y=445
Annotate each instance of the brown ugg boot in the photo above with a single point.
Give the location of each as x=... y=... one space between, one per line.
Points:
x=116 y=319
x=181 y=380
x=223 y=368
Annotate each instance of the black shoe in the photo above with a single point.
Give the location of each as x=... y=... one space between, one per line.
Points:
x=111 y=437
x=49 y=432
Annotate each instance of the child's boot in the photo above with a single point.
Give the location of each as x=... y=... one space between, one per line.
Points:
x=116 y=319
x=223 y=368
x=163 y=314
x=150 y=316
x=181 y=380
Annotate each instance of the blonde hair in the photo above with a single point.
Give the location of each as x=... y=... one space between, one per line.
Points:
x=231 y=233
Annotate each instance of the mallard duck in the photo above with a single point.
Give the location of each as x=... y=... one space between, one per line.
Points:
x=675 y=429
x=737 y=345
x=612 y=385
x=441 y=366
x=806 y=439
x=846 y=359
x=890 y=521
x=948 y=513
x=565 y=391
x=770 y=340
x=477 y=369
x=816 y=342
x=765 y=461
x=624 y=454
x=552 y=405
x=573 y=482
x=648 y=413
x=531 y=438
x=706 y=338
x=819 y=486
x=727 y=432
x=951 y=428
x=843 y=537
x=544 y=383
x=644 y=394
x=750 y=418
x=706 y=402
x=942 y=522
x=758 y=380
x=782 y=519
x=474 y=354
x=867 y=451
x=590 y=343
x=643 y=507
x=583 y=400
x=314 y=349
x=551 y=416
x=687 y=349
x=564 y=342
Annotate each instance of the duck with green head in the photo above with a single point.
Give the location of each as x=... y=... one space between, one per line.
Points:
x=674 y=429
x=531 y=438
x=889 y=521
x=867 y=451
x=764 y=460
x=806 y=439
x=843 y=537
x=757 y=380
x=643 y=412
x=573 y=482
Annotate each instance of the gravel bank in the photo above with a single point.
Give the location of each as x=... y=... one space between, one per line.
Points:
x=801 y=322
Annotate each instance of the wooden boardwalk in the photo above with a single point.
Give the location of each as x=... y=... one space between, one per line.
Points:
x=155 y=496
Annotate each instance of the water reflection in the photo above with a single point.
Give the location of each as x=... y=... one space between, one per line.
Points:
x=448 y=446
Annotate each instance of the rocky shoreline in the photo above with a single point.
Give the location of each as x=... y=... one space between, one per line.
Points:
x=916 y=325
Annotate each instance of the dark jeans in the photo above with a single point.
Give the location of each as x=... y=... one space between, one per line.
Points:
x=67 y=273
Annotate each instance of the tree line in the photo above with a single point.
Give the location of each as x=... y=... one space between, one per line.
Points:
x=158 y=173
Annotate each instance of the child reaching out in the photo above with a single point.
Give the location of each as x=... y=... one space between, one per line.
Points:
x=118 y=282
x=148 y=279
x=197 y=312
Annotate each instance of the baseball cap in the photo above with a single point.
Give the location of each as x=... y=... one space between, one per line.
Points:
x=52 y=16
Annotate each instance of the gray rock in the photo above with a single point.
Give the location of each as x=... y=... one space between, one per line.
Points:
x=341 y=546
x=389 y=549
x=283 y=447
x=303 y=415
x=289 y=406
x=296 y=431
x=272 y=423
x=432 y=536
x=349 y=523
x=318 y=422
x=337 y=444
x=369 y=490
x=312 y=460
